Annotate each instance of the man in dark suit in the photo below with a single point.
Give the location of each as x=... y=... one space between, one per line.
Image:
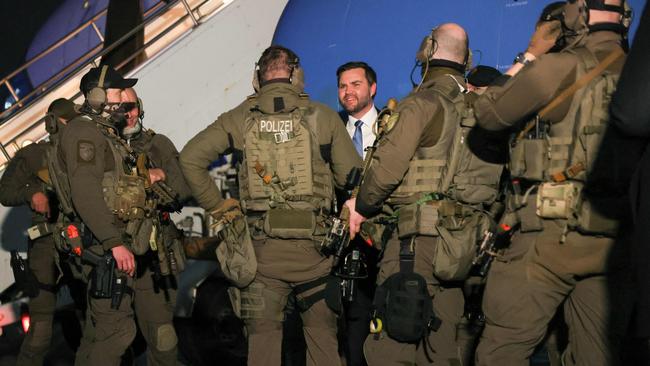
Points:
x=357 y=83
x=357 y=86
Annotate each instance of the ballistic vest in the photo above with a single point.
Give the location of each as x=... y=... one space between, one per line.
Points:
x=569 y=148
x=449 y=167
x=282 y=166
x=123 y=190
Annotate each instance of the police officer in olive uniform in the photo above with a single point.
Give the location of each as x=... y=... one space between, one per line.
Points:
x=290 y=150
x=155 y=285
x=98 y=184
x=423 y=172
x=21 y=184
x=565 y=213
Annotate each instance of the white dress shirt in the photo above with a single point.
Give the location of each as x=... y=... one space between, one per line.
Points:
x=369 y=119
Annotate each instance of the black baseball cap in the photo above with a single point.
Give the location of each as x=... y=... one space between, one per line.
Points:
x=63 y=108
x=482 y=75
x=112 y=79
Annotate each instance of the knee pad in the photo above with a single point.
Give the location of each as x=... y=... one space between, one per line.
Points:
x=166 y=339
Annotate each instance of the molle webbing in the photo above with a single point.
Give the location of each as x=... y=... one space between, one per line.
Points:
x=282 y=164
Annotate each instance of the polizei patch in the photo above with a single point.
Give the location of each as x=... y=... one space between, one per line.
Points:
x=276 y=126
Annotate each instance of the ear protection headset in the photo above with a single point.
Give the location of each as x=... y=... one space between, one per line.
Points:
x=424 y=56
x=430 y=46
x=96 y=97
x=297 y=75
x=51 y=123
x=140 y=108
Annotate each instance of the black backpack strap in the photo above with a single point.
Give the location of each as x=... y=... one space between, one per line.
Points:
x=407 y=255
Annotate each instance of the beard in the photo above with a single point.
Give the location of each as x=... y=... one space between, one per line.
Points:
x=361 y=103
x=128 y=132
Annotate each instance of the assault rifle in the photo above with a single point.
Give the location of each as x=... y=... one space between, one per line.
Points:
x=164 y=195
x=337 y=239
x=104 y=283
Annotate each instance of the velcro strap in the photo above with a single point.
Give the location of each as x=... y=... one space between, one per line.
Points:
x=48 y=288
x=40 y=230
x=560 y=140
x=299 y=289
x=593 y=129
x=277 y=137
x=569 y=173
x=306 y=302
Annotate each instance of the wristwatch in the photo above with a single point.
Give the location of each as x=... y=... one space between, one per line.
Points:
x=521 y=58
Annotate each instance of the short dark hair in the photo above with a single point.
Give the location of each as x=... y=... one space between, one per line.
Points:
x=371 y=76
x=276 y=57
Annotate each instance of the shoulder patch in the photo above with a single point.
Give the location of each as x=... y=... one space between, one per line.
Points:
x=85 y=151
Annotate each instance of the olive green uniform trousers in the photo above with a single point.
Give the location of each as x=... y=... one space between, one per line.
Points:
x=440 y=347
x=41 y=308
x=537 y=274
x=283 y=264
x=109 y=332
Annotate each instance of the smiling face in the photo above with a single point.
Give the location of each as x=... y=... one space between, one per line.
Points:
x=130 y=100
x=355 y=93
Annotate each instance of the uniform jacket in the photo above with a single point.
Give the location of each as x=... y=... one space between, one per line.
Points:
x=511 y=100
x=420 y=125
x=86 y=155
x=226 y=135
x=20 y=180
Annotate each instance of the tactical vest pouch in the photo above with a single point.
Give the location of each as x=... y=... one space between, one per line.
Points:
x=404 y=304
x=124 y=195
x=177 y=257
x=455 y=248
x=289 y=224
x=529 y=159
x=558 y=200
x=417 y=219
x=235 y=254
x=140 y=231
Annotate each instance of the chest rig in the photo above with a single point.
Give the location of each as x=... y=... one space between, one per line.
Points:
x=282 y=166
x=282 y=175
x=123 y=189
x=557 y=159
x=449 y=167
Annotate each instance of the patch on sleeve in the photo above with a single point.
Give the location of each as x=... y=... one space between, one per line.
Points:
x=85 y=151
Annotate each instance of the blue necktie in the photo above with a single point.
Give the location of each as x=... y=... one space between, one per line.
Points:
x=357 y=138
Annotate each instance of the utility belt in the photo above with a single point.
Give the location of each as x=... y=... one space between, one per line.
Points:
x=531 y=202
x=424 y=218
x=458 y=228
x=283 y=223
